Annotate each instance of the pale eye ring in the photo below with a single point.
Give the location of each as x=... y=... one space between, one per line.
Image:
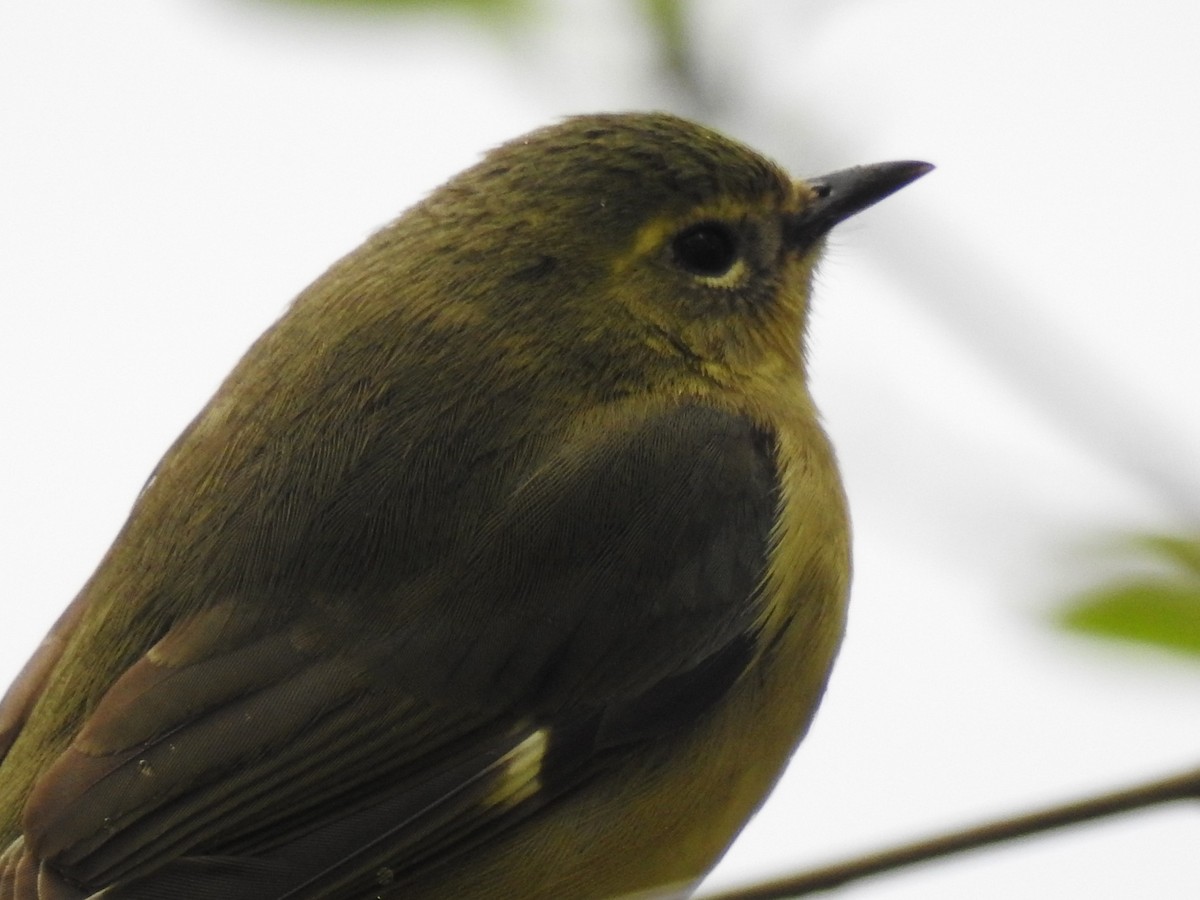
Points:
x=706 y=249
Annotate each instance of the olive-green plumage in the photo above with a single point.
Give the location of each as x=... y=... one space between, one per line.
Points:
x=510 y=562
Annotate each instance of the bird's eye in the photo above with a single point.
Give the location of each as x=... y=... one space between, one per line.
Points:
x=708 y=249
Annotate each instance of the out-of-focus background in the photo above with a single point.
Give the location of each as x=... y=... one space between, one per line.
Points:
x=1006 y=352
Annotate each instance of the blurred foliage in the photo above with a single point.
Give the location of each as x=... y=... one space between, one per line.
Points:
x=1161 y=608
x=486 y=10
x=667 y=21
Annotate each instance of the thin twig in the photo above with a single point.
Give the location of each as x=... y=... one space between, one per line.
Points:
x=1178 y=787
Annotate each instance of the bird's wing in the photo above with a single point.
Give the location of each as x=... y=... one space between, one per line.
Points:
x=612 y=596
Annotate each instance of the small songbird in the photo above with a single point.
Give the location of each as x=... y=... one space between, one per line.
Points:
x=510 y=562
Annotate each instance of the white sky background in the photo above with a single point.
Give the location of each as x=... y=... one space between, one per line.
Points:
x=1005 y=352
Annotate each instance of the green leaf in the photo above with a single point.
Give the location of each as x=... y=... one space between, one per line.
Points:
x=1161 y=609
x=1165 y=615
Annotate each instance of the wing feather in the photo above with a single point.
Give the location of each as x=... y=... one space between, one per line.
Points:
x=610 y=597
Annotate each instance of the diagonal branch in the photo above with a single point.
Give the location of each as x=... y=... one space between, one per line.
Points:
x=1183 y=786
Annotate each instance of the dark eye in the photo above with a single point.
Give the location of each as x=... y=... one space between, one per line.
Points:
x=707 y=248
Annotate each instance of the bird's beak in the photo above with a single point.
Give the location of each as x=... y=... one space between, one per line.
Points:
x=840 y=195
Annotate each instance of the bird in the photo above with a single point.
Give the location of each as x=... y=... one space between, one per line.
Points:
x=511 y=561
